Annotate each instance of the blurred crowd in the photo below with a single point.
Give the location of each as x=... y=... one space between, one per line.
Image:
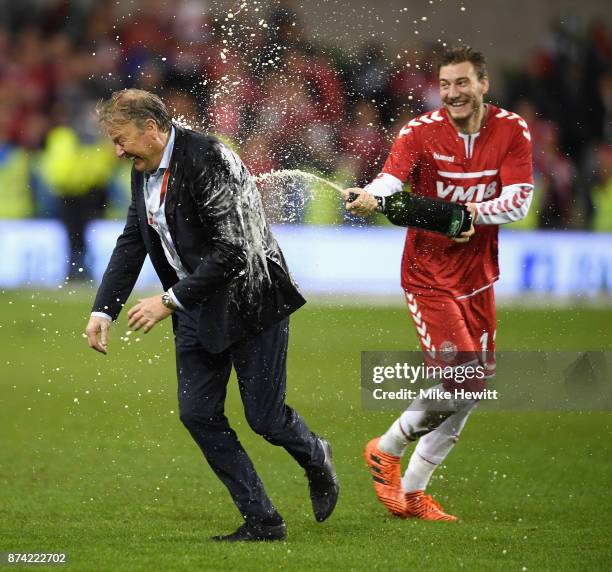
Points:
x=281 y=98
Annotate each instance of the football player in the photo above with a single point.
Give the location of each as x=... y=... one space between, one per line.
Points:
x=479 y=155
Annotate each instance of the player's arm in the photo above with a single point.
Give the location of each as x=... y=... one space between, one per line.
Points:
x=516 y=174
x=385 y=194
x=401 y=161
x=408 y=209
x=511 y=206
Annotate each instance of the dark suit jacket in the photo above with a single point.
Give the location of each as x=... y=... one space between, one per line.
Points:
x=238 y=278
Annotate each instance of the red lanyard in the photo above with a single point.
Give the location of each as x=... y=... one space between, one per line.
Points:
x=162 y=192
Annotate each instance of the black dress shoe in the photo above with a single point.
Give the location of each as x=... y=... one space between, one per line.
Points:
x=249 y=532
x=323 y=484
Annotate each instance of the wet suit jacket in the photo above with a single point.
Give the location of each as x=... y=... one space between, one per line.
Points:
x=238 y=279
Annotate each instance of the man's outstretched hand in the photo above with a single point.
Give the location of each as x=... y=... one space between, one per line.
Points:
x=147 y=313
x=97 y=333
x=365 y=204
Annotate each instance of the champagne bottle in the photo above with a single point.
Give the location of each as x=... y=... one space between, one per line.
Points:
x=408 y=209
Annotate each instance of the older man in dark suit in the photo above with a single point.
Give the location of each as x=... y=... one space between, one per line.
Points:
x=198 y=215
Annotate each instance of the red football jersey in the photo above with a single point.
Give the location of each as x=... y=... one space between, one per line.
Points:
x=441 y=163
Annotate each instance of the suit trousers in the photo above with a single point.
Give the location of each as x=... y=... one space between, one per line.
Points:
x=260 y=365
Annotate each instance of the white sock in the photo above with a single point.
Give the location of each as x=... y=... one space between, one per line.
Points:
x=393 y=441
x=418 y=473
x=432 y=449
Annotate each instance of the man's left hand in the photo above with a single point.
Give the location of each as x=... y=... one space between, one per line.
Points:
x=147 y=313
x=465 y=236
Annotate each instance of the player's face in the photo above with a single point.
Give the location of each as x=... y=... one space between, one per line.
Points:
x=461 y=91
x=138 y=145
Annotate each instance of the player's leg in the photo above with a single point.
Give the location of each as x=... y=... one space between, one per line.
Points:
x=433 y=448
x=440 y=325
x=430 y=451
x=383 y=454
x=438 y=321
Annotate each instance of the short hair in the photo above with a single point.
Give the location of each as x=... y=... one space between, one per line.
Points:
x=460 y=54
x=135 y=105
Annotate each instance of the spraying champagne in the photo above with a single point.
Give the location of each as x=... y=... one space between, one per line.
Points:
x=408 y=209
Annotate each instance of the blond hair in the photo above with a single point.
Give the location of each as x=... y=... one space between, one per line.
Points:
x=135 y=105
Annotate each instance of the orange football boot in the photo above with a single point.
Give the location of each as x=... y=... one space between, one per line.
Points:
x=420 y=505
x=385 y=470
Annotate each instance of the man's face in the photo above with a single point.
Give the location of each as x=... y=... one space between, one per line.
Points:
x=138 y=145
x=461 y=91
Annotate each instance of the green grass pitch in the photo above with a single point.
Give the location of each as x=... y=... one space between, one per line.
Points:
x=95 y=463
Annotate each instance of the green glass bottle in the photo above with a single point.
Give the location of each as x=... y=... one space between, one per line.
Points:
x=408 y=209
